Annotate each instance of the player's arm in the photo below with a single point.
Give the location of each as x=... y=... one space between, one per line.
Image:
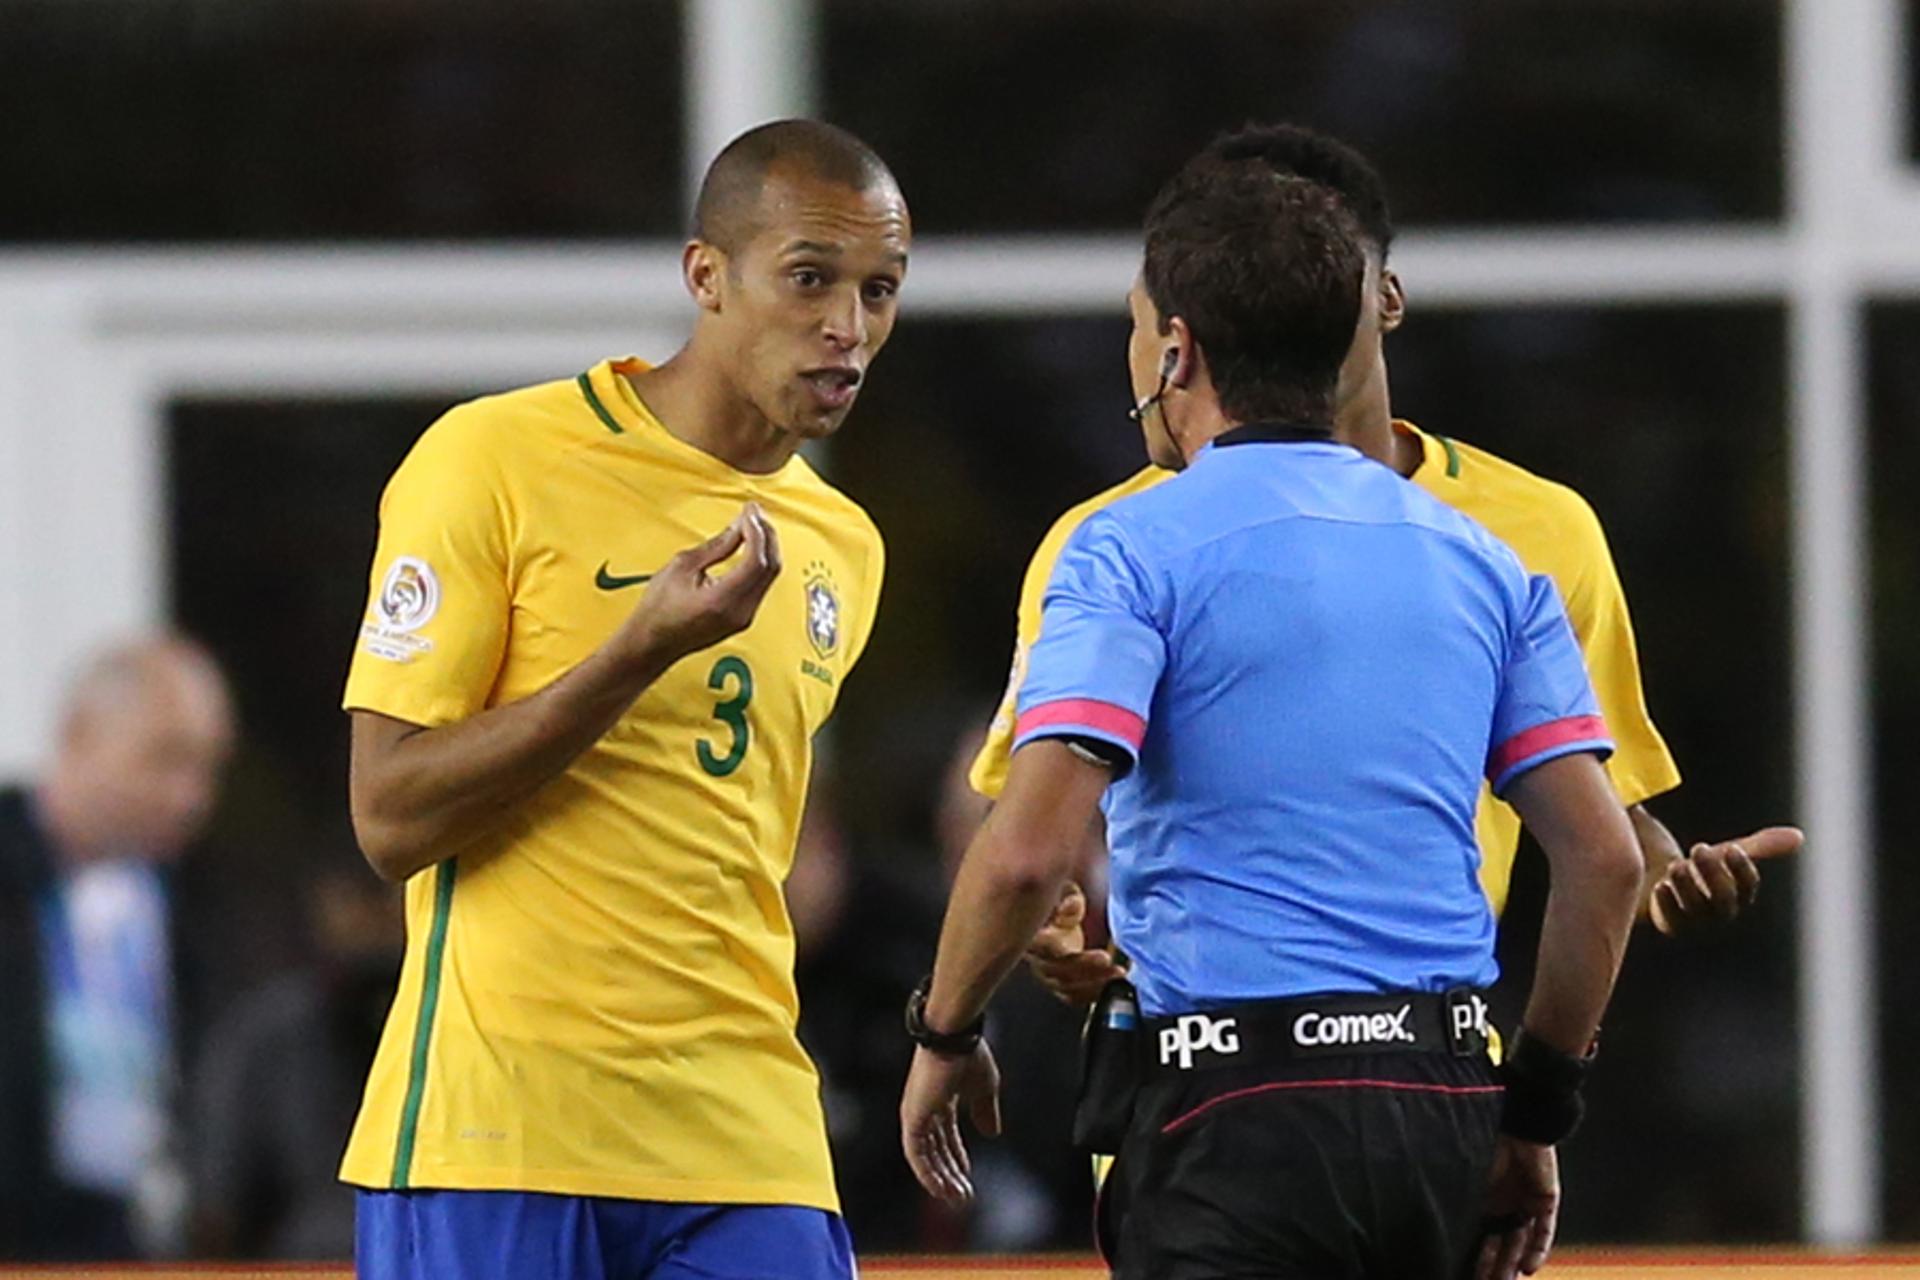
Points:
x=1685 y=889
x=419 y=794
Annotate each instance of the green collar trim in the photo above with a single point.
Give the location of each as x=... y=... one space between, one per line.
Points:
x=599 y=409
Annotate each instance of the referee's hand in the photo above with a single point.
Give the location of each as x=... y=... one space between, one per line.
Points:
x=1059 y=956
x=1714 y=883
x=937 y=1085
x=1523 y=1210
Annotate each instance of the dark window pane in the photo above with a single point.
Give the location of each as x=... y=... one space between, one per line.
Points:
x=280 y=120
x=1911 y=115
x=273 y=515
x=1671 y=423
x=1009 y=114
x=1895 y=553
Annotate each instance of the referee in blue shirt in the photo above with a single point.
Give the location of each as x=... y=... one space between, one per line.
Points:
x=1282 y=675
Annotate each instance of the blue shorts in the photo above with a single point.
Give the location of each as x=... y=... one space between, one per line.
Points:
x=528 y=1235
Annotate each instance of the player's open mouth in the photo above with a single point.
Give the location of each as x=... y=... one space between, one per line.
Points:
x=833 y=388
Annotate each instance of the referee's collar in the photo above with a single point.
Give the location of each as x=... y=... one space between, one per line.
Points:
x=1275 y=432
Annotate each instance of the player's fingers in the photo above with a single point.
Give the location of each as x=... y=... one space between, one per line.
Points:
x=1078 y=978
x=1071 y=910
x=718 y=547
x=759 y=558
x=1723 y=891
x=1688 y=888
x=1664 y=908
x=1772 y=842
x=772 y=552
x=1055 y=943
x=1746 y=875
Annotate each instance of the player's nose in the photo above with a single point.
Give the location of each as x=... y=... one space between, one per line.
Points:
x=846 y=321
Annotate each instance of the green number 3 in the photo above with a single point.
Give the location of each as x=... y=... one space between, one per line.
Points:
x=732 y=712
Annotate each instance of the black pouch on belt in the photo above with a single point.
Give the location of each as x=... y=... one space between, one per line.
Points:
x=1111 y=1069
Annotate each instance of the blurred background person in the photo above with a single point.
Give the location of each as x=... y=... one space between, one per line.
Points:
x=859 y=933
x=88 y=1046
x=276 y=1086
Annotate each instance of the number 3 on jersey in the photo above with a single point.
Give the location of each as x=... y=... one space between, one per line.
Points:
x=730 y=676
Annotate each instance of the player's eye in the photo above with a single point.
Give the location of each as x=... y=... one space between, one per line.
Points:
x=882 y=289
x=809 y=277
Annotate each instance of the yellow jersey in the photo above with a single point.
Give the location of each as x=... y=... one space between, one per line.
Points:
x=598 y=994
x=1553 y=531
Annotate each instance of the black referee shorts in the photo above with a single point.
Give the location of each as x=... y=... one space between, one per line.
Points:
x=1349 y=1167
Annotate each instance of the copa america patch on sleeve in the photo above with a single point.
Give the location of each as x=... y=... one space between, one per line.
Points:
x=409 y=597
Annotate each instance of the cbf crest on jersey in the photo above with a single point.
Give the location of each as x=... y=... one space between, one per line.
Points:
x=823 y=610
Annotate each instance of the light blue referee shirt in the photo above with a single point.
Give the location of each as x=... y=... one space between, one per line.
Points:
x=1308 y=664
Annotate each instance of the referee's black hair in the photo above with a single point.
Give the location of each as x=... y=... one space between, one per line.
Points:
x=1266 y=270
x=1300 y=152
x=726 y=214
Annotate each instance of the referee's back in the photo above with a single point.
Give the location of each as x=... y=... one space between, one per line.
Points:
x=1311 y=664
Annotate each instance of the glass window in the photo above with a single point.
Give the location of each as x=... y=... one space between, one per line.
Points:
x=1056 y=114
x=293 y=120
x=1894 y=551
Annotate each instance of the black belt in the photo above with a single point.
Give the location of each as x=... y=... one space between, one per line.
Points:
x=1327 y=1026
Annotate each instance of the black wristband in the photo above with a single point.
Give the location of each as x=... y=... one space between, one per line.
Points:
x=953 y=1043
x=1543 y=1102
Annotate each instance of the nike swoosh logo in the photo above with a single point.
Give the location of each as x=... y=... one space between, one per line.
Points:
x=614 y=582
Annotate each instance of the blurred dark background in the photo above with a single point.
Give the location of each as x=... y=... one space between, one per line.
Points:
x=371 y=120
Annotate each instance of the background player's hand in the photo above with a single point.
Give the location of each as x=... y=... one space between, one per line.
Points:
x=937 y=1085
x=1716 y=882
x=1059 y=957
x=1523 y=1210
x=687 y=608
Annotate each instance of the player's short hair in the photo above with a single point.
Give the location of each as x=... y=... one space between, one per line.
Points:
x=726 y=212
x=1266 y=270
x=1300 y=152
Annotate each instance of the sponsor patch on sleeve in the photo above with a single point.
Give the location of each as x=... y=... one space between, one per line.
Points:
x=409 y=597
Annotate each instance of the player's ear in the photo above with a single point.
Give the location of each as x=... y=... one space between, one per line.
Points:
x=702 y=267
x=1393 y=301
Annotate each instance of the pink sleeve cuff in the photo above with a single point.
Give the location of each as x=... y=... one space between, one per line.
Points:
x=1544 y=741
x=1103 y=719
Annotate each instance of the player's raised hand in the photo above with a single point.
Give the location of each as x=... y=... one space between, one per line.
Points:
x=687 y=607
x=937 y=1085
x=1523 y=1210
x=1714 y=883
x=1059 y=956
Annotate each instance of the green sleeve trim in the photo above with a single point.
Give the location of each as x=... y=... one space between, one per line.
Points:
x=599 y=409
x=1453 y=455
x=423 y=1028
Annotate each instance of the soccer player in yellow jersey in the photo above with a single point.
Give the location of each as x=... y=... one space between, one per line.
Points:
x=581 y=735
